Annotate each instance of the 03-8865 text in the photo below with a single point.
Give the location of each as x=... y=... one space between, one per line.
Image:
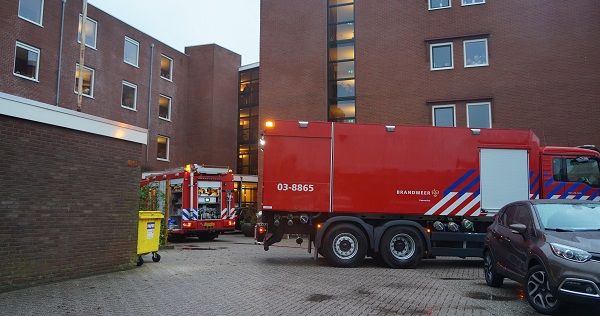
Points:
x=295 y=187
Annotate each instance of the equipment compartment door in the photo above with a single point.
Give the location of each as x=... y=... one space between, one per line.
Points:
x=504 y=177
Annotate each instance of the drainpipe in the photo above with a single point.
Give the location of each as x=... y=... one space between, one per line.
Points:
x=60 y=48
x=149 y=101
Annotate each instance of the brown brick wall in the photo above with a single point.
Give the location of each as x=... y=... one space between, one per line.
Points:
x=68 y=205
x=543 y=73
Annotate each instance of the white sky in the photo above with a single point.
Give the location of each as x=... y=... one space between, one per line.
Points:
x=233 y=24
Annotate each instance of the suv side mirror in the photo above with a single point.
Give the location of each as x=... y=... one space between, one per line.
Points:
x=518 y=228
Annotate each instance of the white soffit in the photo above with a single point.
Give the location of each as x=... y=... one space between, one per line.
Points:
x=31 y=110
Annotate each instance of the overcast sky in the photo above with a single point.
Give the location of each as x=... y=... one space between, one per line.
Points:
x=233 y=24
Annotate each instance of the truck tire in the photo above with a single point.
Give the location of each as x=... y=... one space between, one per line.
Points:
x=345 y=246
x=401 y=247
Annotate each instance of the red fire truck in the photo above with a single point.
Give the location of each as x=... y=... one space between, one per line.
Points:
x=401 y=194
x=201 y=200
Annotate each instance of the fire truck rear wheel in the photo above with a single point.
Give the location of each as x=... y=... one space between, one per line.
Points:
x=345 y=246
x=401 y=247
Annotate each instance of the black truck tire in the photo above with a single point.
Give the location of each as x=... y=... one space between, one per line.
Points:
x=401 y=247
x=345 y=245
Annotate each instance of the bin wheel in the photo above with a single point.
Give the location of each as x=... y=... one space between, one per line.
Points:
x=155 y=257
x=140 y=261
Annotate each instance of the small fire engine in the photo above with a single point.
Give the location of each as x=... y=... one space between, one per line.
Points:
x=401 y=194
x=200 y=202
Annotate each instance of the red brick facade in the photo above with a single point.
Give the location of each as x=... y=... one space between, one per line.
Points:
x=543 y=71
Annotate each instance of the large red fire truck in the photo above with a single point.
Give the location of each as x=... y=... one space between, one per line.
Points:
x=401 y=194
x=201 y=200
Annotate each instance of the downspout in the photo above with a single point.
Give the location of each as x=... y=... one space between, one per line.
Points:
x=149 y=102
x=60 y=49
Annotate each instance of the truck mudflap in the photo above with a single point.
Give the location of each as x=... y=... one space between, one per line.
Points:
x=275 y=238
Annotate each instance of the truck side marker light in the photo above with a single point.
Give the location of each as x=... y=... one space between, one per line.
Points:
x=318 y=226
x=269 y=124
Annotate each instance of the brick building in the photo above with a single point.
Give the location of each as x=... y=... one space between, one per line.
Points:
x=69 y=180
x=477 y=63
x=187 y=101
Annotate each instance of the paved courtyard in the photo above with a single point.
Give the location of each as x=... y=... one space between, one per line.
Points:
x=233 y=276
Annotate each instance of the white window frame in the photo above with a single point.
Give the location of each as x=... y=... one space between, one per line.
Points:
x=37 y=65
x=438 y=8
x=90 y=20
x=487 y=55
x=472 y=2
x=431 y=59
x=443 y=106
x=167 y=145
x=93 y=74
x=137 y=51
x=489 y=105
x=168 y=118
x=41 y=14
x=170 y=68
x=135 y=90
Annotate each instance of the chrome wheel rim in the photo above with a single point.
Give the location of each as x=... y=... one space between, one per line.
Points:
x=402 y=246
x=345 y=246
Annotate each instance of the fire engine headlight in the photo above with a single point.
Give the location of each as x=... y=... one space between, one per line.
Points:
x=437 y=225
x=452 y=226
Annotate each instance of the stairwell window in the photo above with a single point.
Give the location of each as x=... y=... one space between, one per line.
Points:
x=441 y=56
x=439 y=4
x=444 y=115
x=27 y=61
x=162 y=148
x=32 y=11
x=129 y=95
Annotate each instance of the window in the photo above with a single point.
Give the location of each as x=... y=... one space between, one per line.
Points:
x=164 y=107
x=441 y=56
x=32 y=10
x=472 y=2
x=88 y=81
x=162 y=149
x=583 y=169
x=129 y=95
x=479 y=115
x=27 y=61
x=166 y=67
x=91 y=27
x=342 y=111
x=444 y=115
x=439 y=4
x=476 y=53
x=131 y=53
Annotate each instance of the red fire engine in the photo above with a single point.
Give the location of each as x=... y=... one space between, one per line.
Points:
x=201 y=200
x=406 y=193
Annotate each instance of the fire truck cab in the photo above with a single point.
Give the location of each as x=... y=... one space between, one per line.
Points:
x=199 y=200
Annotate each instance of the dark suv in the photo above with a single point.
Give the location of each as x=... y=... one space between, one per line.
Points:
x=552 y=247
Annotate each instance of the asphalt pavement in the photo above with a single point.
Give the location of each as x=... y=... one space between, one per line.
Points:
x=233 y=276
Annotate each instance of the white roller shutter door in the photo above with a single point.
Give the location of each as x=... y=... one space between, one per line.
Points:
x=504 y=177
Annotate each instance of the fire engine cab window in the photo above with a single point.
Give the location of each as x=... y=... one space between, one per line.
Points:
x=583 y=169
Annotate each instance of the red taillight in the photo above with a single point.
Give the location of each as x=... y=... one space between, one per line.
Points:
x=261 y=229
x=187 y=224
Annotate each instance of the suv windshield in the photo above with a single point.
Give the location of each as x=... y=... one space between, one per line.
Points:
x=570 y=217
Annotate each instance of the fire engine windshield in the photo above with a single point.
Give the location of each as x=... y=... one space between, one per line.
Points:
x=583 y=169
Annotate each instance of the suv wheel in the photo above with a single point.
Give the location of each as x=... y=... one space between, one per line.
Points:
x=492 y=278
x=538 y=293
